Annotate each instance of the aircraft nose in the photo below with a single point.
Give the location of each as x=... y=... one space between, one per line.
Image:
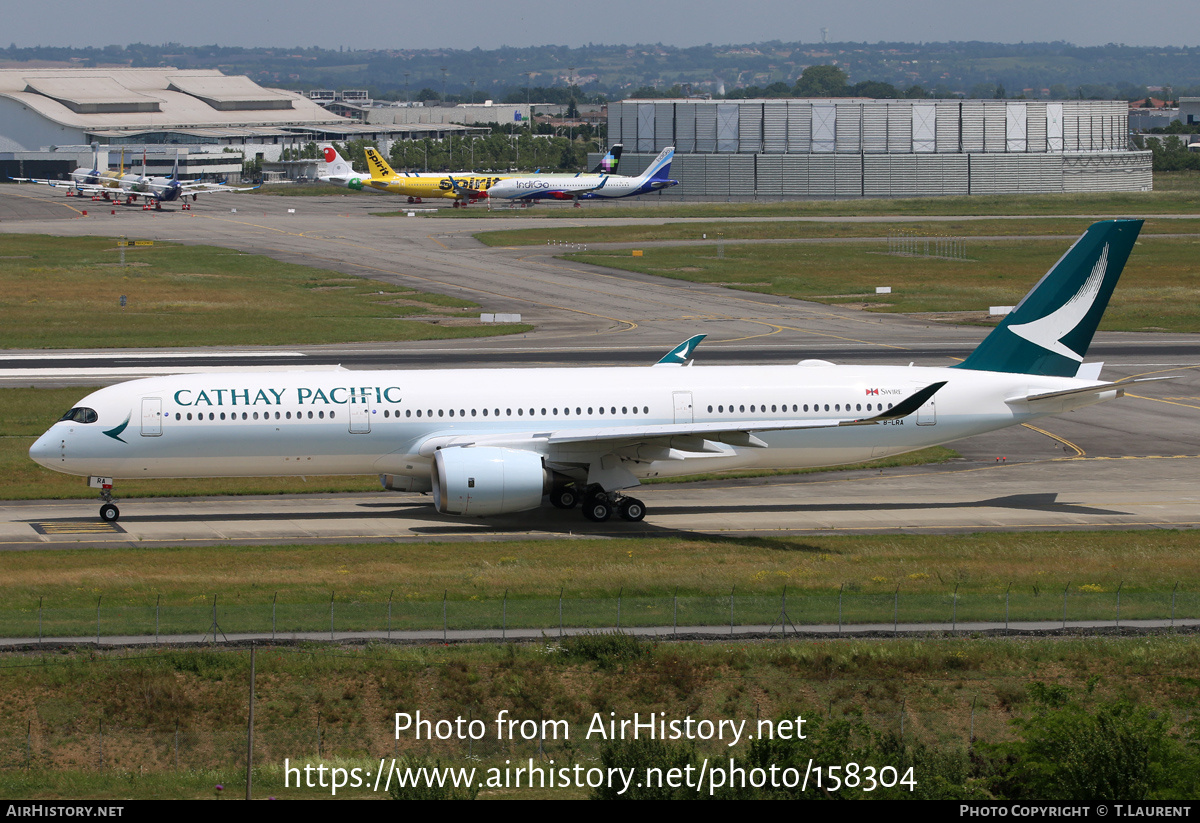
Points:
x=46 y=450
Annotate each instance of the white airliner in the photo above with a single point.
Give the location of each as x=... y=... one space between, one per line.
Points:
x=587 y=186
x=154 y=190
x=495 y=441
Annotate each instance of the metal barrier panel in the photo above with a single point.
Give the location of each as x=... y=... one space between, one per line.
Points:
x=768 y=173
x=775 y=127
x=874 y=128
x=750 y=128
x=685 y=128
x=949 y=127
x=645 y=127
x=727 y=127
x=900 y=125
x=664 y=126
x=706 y=129
x=800 y=125
x=849 y=128
x=972 y=126
x=1016 y=134
x=995 y=123
x=716 y=176
x=924 y=127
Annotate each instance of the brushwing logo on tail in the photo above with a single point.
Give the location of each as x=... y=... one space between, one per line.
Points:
x=1049 y=331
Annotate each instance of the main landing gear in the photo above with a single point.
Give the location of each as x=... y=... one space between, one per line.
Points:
x=597 y=504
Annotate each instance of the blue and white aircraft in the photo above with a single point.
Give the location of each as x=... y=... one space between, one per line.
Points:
x=154 y=190
x=587 y=186
x=498 y=441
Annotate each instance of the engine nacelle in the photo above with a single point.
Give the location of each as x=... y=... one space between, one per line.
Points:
x=485 y=480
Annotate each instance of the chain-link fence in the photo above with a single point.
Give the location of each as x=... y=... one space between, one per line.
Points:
x=668 y=612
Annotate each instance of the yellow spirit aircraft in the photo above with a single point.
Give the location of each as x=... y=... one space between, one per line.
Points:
x=418 y=187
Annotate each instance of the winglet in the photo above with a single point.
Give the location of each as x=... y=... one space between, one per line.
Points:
x=902 y=409
x=679 y=355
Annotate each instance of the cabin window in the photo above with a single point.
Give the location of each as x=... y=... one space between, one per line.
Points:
x=472 y=412
x=645 y=409
x=602 y=410
x=589 y=409
x=624 y=410
x=332 y=415
x=418 y=412
x=452 y=412
x=520 y=412
x=741 y=408
x=858 y=407
x=578 y=410
x=485 y=414
x=543 y=412
x=321 y=415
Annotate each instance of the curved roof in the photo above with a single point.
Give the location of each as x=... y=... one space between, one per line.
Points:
x=158 y=98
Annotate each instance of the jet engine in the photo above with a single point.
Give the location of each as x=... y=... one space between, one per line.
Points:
x=485 y=480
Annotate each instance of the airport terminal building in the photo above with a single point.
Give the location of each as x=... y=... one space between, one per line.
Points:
x=822 y=148
x=212 y=121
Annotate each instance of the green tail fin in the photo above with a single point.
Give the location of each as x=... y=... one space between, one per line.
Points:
x=1050 y=330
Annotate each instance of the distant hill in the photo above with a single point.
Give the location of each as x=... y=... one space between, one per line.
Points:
x=971 y=69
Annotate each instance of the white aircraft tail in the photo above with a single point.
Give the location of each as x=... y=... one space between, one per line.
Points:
x=335 y=164
x=660 y=169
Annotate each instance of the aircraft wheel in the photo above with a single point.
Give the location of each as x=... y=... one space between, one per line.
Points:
x=598 y=509
x=109 y=513
x=631 y=509
x=563 y=497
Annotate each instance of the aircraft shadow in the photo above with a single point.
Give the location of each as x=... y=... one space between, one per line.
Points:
x=559 y=521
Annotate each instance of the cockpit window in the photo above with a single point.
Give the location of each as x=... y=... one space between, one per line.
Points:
x=81 y=415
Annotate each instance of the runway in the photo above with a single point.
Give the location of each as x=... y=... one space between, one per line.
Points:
x=1130 y=463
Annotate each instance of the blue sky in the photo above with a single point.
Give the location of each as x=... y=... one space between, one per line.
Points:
x=490 y=23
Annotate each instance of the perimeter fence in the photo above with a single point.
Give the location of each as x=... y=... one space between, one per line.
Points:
x=1064 y=605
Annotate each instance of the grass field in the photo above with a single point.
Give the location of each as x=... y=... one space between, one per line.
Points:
x=1158 y=290
x=1144 y=561
x=66 y=292
x=114 y=725
x=793 y=230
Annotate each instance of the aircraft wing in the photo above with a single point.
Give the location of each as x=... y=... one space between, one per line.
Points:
x=82 y=188
x=671 y=440
x=211 y=188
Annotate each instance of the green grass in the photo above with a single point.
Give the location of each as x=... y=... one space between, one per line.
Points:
x=590 y=573
x=65 y=293
x=1158 y=290
x=1017 y=228
x=191 y=704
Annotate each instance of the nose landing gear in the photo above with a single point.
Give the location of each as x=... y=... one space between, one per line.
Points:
x=108 y=510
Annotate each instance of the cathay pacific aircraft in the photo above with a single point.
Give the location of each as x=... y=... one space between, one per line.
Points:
x=497 y=441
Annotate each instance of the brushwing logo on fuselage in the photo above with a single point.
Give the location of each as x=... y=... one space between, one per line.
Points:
x=1049 y=331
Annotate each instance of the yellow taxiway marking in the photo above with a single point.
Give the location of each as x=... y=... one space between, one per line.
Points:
x=45 y=200
x=1161 y=400
x=1078 y=451
x=100 y=527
